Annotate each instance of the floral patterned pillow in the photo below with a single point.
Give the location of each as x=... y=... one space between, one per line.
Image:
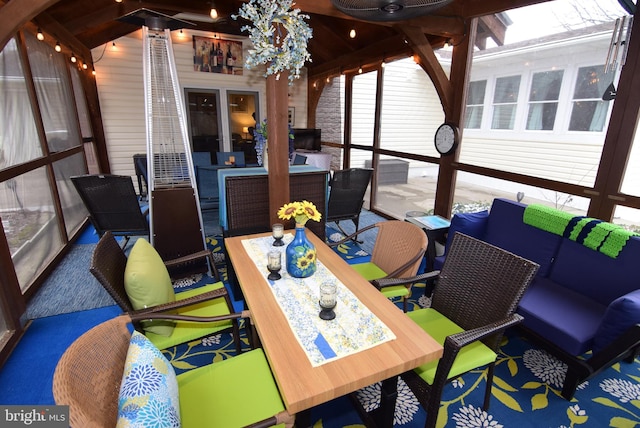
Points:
x=149 y=389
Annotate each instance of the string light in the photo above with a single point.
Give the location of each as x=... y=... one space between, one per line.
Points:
x=213 y=13
x=40 y=35
x=84 y=66
x=360 y=70
x=58 y=48
x=352 y=33
x=73 y=57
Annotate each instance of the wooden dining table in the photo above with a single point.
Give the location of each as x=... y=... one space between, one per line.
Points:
x=302 y=385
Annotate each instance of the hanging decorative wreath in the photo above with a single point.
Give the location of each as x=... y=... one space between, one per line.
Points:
x=279 y=50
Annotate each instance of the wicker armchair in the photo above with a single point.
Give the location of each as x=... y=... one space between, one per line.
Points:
x=89 y=374
x=108 y=265
x=474 y=302
x=397 y=253
x=347 y=196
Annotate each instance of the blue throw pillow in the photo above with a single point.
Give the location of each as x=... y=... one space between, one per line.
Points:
x=622 y=314
x=472 y=224
x=149 y=389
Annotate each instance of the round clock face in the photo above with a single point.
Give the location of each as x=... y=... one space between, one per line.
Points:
x=446 y=138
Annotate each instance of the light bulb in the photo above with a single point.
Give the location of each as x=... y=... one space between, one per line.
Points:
x=360 y=70
x=40 y=35
x=73 y=57
x=352 y=33
x=213 y=13
x=84 y=66
x=58 y=48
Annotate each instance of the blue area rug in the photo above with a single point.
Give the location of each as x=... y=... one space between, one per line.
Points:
x=526 y=391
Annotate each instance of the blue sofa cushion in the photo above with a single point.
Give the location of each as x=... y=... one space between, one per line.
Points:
x=472 y=224
x=594 y=274
x=622 y=314
x=562 y=316
x=505 y=229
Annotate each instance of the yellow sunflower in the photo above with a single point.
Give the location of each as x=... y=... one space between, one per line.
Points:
x=300 y=211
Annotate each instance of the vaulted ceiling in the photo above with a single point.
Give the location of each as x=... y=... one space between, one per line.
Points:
x=91 y=24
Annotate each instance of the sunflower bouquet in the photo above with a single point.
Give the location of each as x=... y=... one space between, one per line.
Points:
x=300 y=211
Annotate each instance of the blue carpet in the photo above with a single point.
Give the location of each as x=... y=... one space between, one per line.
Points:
x=526 y=390
x=26 y=377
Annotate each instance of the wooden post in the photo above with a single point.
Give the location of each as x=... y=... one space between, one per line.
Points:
x=278 y=141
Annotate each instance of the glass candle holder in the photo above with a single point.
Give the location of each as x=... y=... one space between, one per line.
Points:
x=278 y=232
x=274 y=264
x=328 y=300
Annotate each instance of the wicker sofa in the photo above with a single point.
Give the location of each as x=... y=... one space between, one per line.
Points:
x=584 y=304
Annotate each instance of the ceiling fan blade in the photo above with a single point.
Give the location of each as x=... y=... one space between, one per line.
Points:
x=388 y=10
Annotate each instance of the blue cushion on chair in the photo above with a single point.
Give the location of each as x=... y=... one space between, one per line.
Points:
x=149 y=389
x=472 y=224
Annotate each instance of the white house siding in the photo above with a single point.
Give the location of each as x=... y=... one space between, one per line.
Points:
x=411 y=109
x=119 y=79
x=560 y=154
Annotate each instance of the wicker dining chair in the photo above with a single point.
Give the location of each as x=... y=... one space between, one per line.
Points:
x=89 y=376
x=398 y=251
x=108 y=265
x=474 y=302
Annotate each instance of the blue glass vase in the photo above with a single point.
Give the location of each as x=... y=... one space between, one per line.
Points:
x=300 y=255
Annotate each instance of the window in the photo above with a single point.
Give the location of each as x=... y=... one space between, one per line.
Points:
x=589 y=112
x=505 y=98
x=543 y=100
x=475 y=104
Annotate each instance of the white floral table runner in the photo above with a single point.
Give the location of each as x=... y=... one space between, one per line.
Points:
x=354 y=329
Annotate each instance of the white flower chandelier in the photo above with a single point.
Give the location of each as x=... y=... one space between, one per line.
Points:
x=279 y=50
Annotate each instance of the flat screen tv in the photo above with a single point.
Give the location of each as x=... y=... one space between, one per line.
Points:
x=307 y=139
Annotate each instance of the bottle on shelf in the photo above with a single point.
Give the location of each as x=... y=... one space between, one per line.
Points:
x=229 y=60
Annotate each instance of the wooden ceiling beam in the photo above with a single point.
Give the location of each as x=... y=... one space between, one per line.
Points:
x=388 y=48
x=422 y=47
x=16 y=13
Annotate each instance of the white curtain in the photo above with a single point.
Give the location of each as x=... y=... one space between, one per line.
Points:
x=19 y=141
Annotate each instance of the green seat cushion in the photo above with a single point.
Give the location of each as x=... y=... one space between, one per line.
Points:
x=395 y=291
x=231 y=393
x=369 y=271
x=187 y=331
x=147 y=283
x=474 y=355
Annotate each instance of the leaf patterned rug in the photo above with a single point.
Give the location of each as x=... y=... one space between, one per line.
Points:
x=526 y=390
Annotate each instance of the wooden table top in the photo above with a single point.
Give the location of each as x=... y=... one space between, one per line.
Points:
x=301 y=385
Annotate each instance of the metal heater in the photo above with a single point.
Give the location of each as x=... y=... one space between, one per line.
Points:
x=175 y=218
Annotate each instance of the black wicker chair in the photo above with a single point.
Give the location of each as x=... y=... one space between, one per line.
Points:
x=112 y=204
x=347 y=196
x=474 y=302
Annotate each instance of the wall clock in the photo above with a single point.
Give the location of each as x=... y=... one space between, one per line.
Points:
x=446 y=138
